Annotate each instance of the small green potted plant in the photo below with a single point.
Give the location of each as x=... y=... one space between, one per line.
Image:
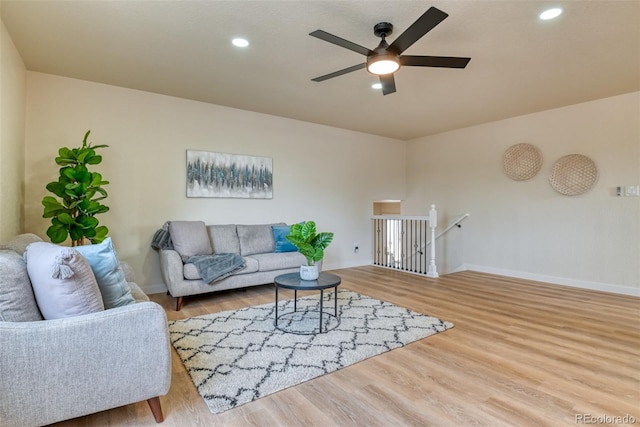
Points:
x=310 y=244
x=79 y=193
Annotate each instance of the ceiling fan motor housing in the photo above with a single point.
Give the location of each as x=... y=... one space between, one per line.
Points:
x=383 y=29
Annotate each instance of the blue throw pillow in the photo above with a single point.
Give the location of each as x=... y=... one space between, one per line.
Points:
x=279 y=236
x=109 y=275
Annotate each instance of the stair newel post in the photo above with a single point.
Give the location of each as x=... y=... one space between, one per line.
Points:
x=433 y=223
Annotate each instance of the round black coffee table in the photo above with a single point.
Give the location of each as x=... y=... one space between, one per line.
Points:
x=293 y=281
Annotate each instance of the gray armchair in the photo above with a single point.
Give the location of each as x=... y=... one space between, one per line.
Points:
x=53 y=370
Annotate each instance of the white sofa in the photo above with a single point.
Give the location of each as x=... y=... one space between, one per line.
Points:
x=53 y=370
x=261 y=246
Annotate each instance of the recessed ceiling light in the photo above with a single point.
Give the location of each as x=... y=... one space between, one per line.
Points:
x=240 y=42
x=376 y=86
x=550 y=13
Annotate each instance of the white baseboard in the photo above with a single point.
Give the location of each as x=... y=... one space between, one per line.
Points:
x=461 y=267
x=596 y=286
x=160 y=288
x=339 y=265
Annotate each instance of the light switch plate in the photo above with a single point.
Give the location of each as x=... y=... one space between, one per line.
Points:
x=632 y=190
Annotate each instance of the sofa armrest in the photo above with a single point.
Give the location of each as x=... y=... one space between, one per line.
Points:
x=54 y=370
x=172 y=269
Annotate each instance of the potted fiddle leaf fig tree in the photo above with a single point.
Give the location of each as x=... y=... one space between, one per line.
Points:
x=310 y=244
x=79 y=194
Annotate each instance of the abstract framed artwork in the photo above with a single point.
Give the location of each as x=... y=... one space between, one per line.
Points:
x=211 y=174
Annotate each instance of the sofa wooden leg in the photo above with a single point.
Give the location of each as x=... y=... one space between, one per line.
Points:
x=179 y=302
x=156 y=408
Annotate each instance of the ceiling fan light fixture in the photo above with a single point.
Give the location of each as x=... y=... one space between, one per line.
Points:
x=383 y=64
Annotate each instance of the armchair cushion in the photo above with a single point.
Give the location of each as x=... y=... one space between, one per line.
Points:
x=17 y=302
x=190 y=238
x=62 y=280
x=137 y=293
x=110 y=277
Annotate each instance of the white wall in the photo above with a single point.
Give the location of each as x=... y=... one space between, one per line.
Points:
x=525 y=228
x=12 y=128
x=326 y=174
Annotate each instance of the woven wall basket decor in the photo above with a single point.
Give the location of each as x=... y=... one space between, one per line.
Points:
x=522 y=161
x=573 y=174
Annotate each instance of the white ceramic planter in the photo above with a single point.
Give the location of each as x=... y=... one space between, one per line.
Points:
x=309 y=272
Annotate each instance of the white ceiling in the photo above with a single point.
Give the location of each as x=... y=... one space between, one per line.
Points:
x=519 y=64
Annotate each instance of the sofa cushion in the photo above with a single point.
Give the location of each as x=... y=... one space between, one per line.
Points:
x=190 y=238
x=110 y=277
x=256 y=239
x=251 y=266
x=224 y=239
x=20 y=242
x=17 y=302
x=280 y=233
x=190 y=271
x=279 y=261
x=62 y=280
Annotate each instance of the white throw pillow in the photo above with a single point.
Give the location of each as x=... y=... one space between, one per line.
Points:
x=63 y=282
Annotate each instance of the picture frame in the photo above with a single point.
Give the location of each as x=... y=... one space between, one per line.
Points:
x=225 y=175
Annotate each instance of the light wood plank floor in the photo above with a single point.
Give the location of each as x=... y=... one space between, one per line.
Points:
x=521 y=353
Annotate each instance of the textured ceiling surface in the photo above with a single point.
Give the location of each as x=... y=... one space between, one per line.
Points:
x=519 y=63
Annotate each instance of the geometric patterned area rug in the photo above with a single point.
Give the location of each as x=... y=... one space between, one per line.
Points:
x=238 y=356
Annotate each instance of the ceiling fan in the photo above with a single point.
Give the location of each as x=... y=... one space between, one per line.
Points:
x=386 y=59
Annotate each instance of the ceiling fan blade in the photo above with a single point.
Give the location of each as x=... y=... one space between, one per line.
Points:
x=434 y=61
x=388 y=84
x=339 y=73
x=323 y=35
x=422 y=26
